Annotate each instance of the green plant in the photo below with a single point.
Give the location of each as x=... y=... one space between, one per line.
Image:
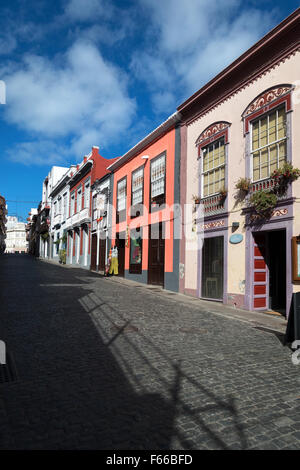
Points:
x=243 y=184
x=263 y=202
x=284 y=176
x=45 y=235
x=62 y=256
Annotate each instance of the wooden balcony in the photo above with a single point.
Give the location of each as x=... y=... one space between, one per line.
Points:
x=213 y=204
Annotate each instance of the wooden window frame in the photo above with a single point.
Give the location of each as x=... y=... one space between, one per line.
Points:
x=258 y=117
x=161 y=198
x=133 y=209
x=203 y=147
x=121 y=215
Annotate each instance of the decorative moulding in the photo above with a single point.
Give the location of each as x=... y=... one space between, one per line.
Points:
x=266 y=98
x=212 y=131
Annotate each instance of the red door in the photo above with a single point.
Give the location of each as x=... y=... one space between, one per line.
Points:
x=260 y=273
x=156 y=255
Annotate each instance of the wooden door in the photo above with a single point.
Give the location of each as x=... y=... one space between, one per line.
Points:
x=101 y=261
x=94 y=252
x=156 y=255
x=120 y=243
x=260 y=273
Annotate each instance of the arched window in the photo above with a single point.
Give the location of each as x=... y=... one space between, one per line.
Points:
x=211 y=149
x=266 y=122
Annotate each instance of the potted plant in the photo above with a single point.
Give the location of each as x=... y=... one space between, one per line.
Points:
x=284 y=176
x=263 y=202
x=243 y=185
x=223 y=192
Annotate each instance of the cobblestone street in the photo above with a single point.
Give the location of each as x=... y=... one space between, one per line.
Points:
x=98 y=364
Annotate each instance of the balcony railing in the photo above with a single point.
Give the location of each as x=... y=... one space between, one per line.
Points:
x=267 y=184
x=213 y=204
x=78 y=218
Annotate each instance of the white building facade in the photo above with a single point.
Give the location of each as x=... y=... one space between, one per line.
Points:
x=101 y=222
x=15 y=236
x=60 y=200
x=55 y=174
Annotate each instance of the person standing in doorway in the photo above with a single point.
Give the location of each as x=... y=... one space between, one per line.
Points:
x=114 y=261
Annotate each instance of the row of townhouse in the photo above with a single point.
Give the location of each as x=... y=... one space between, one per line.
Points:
x=171 y=205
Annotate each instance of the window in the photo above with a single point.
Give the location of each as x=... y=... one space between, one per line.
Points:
x=158 y=173
x=79 y=200
x=55 y=208
x=121 y=200
x=268 y=144
x=137 y=187
x=59 y=205
x=65 y=205
x=72 y=203
x=135 y=252
x=95 y=207
x=87 y=195
x=213 y=168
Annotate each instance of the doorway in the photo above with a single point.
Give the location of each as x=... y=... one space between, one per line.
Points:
x=156 y=255
x=269 y=286
x=102 y=250
x=94 y=252
x=120 y=243
x=213 y=268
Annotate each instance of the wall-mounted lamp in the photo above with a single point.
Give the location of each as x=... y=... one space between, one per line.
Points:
x=235 y=226
x=145 y=157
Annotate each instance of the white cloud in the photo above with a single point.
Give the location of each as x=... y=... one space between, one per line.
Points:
x=38 y=152
x=88 y=10
x=8 y=43
x=151 y=69
x=78 y=96
x=195 y=40
x=163 y=102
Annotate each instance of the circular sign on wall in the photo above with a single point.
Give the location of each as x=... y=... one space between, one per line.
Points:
x=236 y=238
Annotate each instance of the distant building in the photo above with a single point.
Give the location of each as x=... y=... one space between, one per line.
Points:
x=15 y=236
x=32 y=236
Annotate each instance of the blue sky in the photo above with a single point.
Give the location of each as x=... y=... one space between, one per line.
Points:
x=97 y=72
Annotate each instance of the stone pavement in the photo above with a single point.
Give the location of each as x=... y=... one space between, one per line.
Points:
x=104 y=364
